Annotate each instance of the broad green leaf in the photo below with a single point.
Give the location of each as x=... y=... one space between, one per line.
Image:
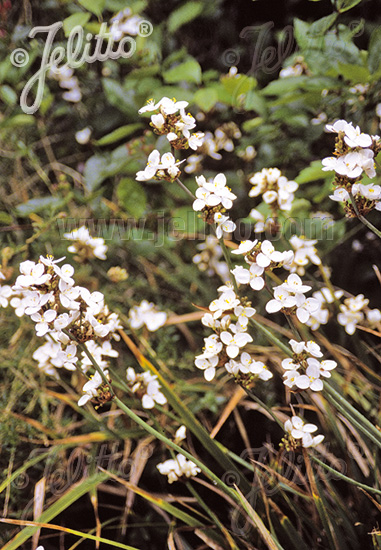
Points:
x=72 y=21
x=122 y=99
x=95 y=171
x=17 y=121
x=313 y=172
x=321 y=26
x=184 y=14
x=374 y=57
x=345 y=5
x=99 y=167
x=8 y=95
x=206 y=98
x=132 y=197
x=119 y=133
x=354 y=73
x=95 y=6
x=189 y=70
x=37 y=205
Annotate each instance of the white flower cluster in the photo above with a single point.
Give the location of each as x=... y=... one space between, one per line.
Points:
x=66 y=79
x=261 y=256
x=124 y=23
x=305 y=252
x=209 y=258
x=159 y=167
x=300 y=433
x=222 y=348
x=321 y=315
x=213 y=198
x=146 y=314
x=147 y=387
x=85 y=246
x=221 y=140
x=275 y=189
x=352 y=313
x=304 y=370
x=48 y=295
x=354 y=155
x=177 y=467
x=172 y=121
x=290 y=295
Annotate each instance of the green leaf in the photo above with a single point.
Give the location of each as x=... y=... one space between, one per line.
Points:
x=313 y=172
x=122 y=99
x=345 y=5
x=17 y=121
x=356 y=74
x=321 y=26
x=72 y=21
x=8 y=95
x=184 y=14
x=95 y=6
x=95 y=171
x=37 y=205
x=118 y=134
x=189 y=70
x=206 y=98
x=374 y=57
x=131 y=197
x=99 y=167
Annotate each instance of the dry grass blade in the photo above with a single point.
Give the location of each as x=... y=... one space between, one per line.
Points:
x=231 y=405
x=256 y=521
x=38 y=506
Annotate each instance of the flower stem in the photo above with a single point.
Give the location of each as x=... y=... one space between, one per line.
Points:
x=362 y=218
x=185 y=188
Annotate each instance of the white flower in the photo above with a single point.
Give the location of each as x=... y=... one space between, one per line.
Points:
x=148 y=385
x=205 y=198
x=311 y=379
x=153 y=165
x=69 y=357
x=305 y=307
x=31 y=275
x=299 y=430
x=218 y=187
x=340 y=194
x=43 y=321
x=224 y=224
x=234 y=342
x=212 y=347
x=294 y=284
x=90 y=389
x=147 y=314
x=195 y=140
x=228 y=300
x=180 y=434
x=85 y=245
x=338 y=126
x=175 y=468
x=83 y=136
x=5 y=293
x=249 y=365
x=355 y=138
x=282 y=299
x=243 y=314
x=208 y=365
x=252 y=276
x=268 y=254
x=245 y=247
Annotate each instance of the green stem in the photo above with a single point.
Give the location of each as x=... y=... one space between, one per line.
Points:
x=362 y=218
x=345 y=478
x=180 y=183
x=228 y=261
x=216 y=480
